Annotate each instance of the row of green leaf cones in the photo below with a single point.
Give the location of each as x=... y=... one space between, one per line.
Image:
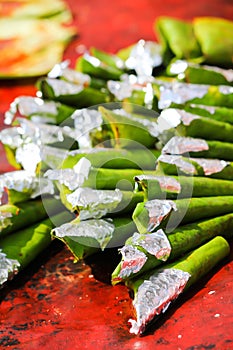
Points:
x=147 y=173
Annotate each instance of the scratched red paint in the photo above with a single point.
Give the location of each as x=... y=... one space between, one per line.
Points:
x=61 y=305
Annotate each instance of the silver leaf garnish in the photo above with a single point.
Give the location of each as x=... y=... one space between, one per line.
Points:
x=62 y=70
x=29 y=156
x=5 y=219
x=28 y=106
x=144 y=56
x=7 y=267
x=94 y=203
x=211 y=166
x=85 y=121
x=62 y=87
x=179 y=162
x=71 y=177
x=166 y=183
x=120 y=89
x=180 y=93
x=158 y=210
x=25 y=182
x=155 y=243
x=132 y=261
x=155 y=294
x=180 y=145
x=225 y=90
x=12 y=137
x=98 y=229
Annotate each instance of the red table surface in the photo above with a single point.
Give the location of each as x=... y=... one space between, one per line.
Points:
x=61 y=305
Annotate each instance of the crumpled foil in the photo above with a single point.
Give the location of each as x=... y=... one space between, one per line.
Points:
x=94 y=203
x=7 y=267
x=158 y=210
x=179 y=145
x=98 y=229
x=155 y=294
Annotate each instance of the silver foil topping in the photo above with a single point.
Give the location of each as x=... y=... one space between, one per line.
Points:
x=93 y=60
x=144 y=56
x=180 y=93
x=28 y=105
x=155 y=294
x=94 y=203
x=132 y=261
x=97 y=229
x=5 y=219
x=7 y=267
x=12 y=137
x=41 y=133
x=71 y=75
x=29 y=156
x=155 y=243
x=72 y=178
x=211 y=166
x=178 y=67
x=166 y=183
x=179 y=162
x=62 y=87
x=120 y=89
x=158 y=210
x=225 y=90
x=180 y=145
x=23 y=181
x=85 y=121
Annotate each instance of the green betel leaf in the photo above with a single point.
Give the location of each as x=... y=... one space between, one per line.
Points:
x=216 y=40
x=178 y=37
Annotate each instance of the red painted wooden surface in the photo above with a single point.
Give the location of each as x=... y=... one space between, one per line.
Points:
x=61 y=305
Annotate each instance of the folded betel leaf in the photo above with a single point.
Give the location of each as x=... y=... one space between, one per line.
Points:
x=215 y=37
x=95 y=67
x=128 y=130
x=19 y=186
x=155 y=291
x=54 y=9
x=23 y=143
x=84 y=238
x=38 y=110
x=137 y=258
x=194 y=73
x=198 y=148
x=177 y=38
x=23 y=246
x=120 y=158
x=150 y=215
x=163 y=186
x=170 y=94
x=108 y=58
x=75 y=95
x=183 y=186
x=89 y=203
x=14 y=218
x=178 y=165
x=142 y=58
x=222 y=114
x=187 y=124
x=31 y=47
